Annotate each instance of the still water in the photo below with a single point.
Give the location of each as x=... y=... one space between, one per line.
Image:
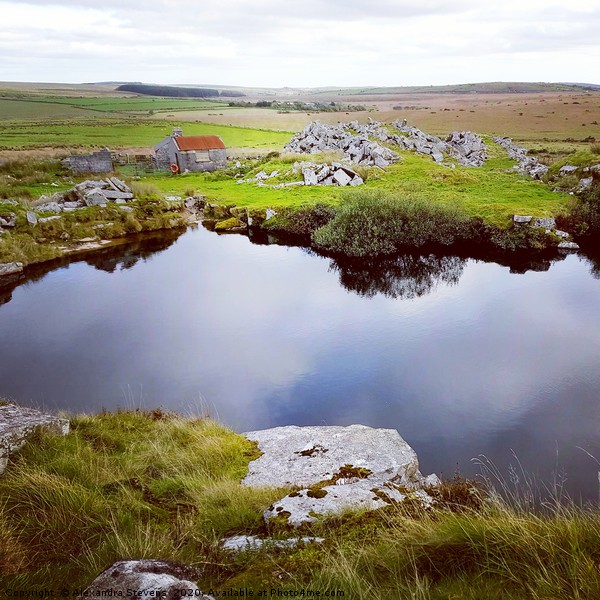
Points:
x=463 y=357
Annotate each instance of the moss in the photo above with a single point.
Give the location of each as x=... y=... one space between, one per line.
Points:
x=316 y=493
x=229 y=224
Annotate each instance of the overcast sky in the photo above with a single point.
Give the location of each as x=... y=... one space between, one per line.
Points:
x=276 y=43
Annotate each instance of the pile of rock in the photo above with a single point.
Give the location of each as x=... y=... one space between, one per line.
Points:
x=338 y=468
x=324 y=174
x=526 y=164
x=318 y=137
x=87 y=193
x=466 y=147
x=312 y=174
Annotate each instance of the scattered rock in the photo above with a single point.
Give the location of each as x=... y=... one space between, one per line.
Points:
x=526 y=164
x=270 y=214
x=47 y=219
x=244 y=543
x=567 y=170
x=95 y=198
x=339 y=467
x=148 y=578
x=341 y=177
x=17 y=424
x=468 y=147
x=31 y=218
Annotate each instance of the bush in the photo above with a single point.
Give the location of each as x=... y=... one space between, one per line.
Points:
x=370 y=222
x=585 y=215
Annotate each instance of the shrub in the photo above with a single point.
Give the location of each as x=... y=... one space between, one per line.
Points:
x=585 y=215
x=370 y=222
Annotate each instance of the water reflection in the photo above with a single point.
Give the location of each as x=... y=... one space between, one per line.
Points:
x=404 y=277
x=120 y=256
x=463 y=357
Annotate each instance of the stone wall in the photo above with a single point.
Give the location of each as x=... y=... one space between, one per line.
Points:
x=97 y=162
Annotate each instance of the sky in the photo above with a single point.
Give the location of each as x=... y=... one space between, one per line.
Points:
x=313 y=43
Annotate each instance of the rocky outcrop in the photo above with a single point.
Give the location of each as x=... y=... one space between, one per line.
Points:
x=549 y=224
x=525 y=164
x=337 y=468
x=87 y=193
x=17 y=424
x=318 y=137
x=468 y=148
x=147 y=579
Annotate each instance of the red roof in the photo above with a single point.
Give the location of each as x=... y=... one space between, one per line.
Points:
x=199 y=142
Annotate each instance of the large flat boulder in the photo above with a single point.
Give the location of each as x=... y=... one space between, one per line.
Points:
x=337 y=467
x=17 y=424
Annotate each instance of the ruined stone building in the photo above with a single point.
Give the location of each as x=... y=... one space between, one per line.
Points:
x=96 y=162
x=192 y=153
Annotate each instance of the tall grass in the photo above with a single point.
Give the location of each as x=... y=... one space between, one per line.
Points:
x=122 y=485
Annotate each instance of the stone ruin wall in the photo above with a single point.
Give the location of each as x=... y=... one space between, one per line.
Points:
x=97 y=162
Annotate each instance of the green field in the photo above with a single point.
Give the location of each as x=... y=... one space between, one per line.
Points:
x=14 y=106
x=126 y=134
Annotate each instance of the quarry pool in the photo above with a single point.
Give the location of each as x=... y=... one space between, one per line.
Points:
x=464 y=358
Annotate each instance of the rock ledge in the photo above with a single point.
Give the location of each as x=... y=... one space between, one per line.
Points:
x=338 y=467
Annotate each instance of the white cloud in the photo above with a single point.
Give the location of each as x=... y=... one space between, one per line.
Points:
x=317 y=43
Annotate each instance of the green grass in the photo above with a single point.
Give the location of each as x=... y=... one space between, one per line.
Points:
x=126 y=484
x=156 y=485
x=489 y=192
x=126 y=133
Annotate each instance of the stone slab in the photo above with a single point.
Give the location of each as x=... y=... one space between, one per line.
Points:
x=147 y=579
